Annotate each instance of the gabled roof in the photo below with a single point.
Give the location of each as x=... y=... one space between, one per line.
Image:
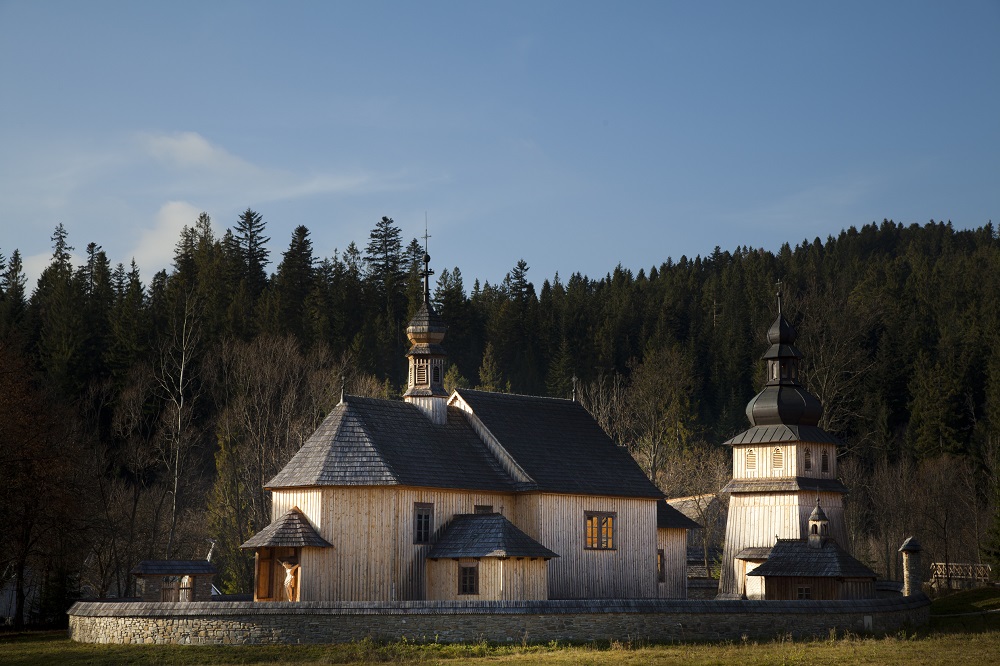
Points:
x=173 y=568
x=784 y=484
x=486 y=535
x=292 y=530
x=559 y=445
x=670 y=518
x=373 y=442
x=794 y=557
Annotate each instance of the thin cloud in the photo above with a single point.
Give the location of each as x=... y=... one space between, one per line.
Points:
x=155 y=248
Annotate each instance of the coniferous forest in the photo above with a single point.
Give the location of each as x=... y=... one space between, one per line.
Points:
x=141 y=420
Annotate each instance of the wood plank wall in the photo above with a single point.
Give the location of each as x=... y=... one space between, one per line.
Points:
x=793 y=461
x=626 y=572
x=755 y=518
x=374 y=557
x=673 y=543
x=510 y=579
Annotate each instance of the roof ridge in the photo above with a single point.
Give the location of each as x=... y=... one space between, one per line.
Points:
x=518 y=395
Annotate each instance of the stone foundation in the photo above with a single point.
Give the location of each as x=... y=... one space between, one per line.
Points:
x=240 y=623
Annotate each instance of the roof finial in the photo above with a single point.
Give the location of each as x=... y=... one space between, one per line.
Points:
x=574 y=387
x=427 y=268
x=779 y=296
x=343 y=386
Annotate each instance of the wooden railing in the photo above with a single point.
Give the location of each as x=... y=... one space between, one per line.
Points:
x=960 y=571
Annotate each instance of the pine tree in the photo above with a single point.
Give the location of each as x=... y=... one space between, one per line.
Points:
x=489 y=373
x=251 y=248
x=293 y=282
x=14 y=301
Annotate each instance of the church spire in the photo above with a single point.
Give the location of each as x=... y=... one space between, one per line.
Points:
x=784 y=400
x=425 y=383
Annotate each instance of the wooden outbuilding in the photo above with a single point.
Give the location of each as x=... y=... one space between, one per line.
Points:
x=174 y=580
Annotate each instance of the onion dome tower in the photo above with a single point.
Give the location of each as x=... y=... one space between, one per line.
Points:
x=782 y=465
x=425 y=384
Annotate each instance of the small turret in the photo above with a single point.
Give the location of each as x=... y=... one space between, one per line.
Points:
x=425 y=383
x=819 y=526
x=911 y=566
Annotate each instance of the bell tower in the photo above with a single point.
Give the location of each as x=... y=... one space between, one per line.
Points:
x=425 y=383
x=782 y=466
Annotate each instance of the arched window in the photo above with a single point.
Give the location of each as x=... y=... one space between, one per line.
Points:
x=825 y=462
x=814 y=530
x=807 y=457
x=826 y=529
x=751 y=459
x=777 y=459
x=437 y=374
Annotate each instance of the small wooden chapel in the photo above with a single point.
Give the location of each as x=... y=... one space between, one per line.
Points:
x=473 y=495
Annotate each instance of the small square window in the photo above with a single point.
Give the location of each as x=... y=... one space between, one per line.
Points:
x=468 y=579
x=423 y=520
x=804 y=592
x=599 y=533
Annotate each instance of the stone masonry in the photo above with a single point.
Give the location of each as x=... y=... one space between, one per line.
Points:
x=241 y=623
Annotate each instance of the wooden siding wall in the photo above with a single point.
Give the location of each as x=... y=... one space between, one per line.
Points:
x=793 y=461
x=673 y=543
x=626 y=572
x=782 y=587
x=373 y=557
x=755 y=519
x=516 y=579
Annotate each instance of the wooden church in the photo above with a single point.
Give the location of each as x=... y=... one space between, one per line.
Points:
x=475 y=495
x=785 y=531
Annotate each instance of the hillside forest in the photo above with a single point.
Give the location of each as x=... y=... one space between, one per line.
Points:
x=141 y=420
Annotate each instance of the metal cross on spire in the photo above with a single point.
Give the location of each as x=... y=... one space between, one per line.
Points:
x=779 y=296
x=427 y=272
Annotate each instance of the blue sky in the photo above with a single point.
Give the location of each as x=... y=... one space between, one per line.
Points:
x=575 y=135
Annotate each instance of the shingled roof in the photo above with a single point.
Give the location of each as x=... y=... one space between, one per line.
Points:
x=173 y=568
x=784 y=484
x=794 y=557
x=783 y=432
x=670 y=518
x=486 y=535
x=373 y=442
x=292 y=530
x=559 y=445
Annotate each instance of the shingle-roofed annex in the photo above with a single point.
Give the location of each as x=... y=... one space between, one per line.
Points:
x=669 y=517
x=784 y=485
x=291 y=530
x=486 y=535
x=374 y=442
x=559 y=445
x=794 y=557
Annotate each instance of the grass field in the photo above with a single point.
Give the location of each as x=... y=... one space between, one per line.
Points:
x=960 y=633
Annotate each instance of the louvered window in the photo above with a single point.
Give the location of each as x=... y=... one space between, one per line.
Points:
x=825 y=462
x=777 y=459
x=808 y=456
x=751 y=459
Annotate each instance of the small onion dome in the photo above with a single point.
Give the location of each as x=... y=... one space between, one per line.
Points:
x=781 y=332
x=911 y=545
x=818 y=514
x=784 y=404
x=426 y=326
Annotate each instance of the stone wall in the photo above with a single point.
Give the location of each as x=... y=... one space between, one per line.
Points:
x=231 y=623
